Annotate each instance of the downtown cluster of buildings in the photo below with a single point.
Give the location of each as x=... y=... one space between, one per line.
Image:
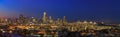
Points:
x=51 y=24
x=47 y=26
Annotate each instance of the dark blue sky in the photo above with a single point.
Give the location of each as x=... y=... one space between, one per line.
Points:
x=95 y=10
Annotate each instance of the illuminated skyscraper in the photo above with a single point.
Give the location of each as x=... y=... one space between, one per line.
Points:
x=58 y=21
x=33 y=19
x=64 y=20
x=44 y=18
x=50 y=19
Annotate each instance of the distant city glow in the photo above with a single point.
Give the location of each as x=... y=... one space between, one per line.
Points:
x=59 y=18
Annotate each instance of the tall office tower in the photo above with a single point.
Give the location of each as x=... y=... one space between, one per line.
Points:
x=58 y=21
x=64 y=20
x=50 y=19
x=33 y=19
x=21 y=16
x=61 y=21
x=21 y=19
x=44 y=18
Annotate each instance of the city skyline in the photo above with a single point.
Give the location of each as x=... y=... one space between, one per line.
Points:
x=68 y=19
x=102 y=10
x=59 y=18
x=46 y=18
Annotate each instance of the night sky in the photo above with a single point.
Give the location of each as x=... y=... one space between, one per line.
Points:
x=92 y=10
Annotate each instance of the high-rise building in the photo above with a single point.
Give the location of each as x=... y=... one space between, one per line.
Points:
x=50 y=19
x=33 y=19
x=44 y=18
x=22 y=19
x=58 y=21
x=64 y=20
